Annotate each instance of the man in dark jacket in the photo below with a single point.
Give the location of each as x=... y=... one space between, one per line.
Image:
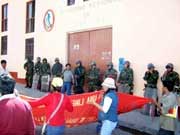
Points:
x=79 y=74
x=57 y=68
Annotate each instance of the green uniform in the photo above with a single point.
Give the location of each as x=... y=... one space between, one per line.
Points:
x=112 y=73
x=151 y=79
x=173 y=78
x=79 y=73
x=126 y=80
x=37 y=68
x=29 y=67
x=93 y=77
x=151 y=90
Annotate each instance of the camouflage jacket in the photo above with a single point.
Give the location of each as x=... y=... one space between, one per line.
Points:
x=29 y=67
x=93 y=74
x=172 y=77
x=37 y=68
x=112 y=73
x=126 y=76
x=151 y=78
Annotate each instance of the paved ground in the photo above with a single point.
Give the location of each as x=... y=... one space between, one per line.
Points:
x=129 y=123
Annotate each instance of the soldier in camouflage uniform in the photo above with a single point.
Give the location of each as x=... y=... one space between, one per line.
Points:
x=150 y=91
x=37 y=74
x=93 y=77
x=125 y=80
x=172 y=77
x=45 y=75
x=110 y=72
x=79 y=75
x=29 y=67
x=57 y=68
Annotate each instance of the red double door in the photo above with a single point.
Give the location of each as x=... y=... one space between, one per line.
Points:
x=90 y=46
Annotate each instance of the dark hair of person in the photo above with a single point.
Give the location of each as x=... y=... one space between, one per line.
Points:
x=55 y=89
x=168 y=85
x=110 y=89
x=68 y=64
x=3 y=62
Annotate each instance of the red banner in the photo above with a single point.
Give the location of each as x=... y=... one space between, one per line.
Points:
x=84 y=113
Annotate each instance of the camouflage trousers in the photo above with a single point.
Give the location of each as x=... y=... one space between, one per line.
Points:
x=124 y=88
x=29 y=80
x=92 y=86
x=149 y=109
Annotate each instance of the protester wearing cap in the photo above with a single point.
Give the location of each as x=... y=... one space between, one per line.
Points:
x=150 y=91
x=56 y=125
x=108 y=107
x=171 y=76
x=16 y=116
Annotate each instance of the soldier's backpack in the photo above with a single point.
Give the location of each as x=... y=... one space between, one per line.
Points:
x=7 y=85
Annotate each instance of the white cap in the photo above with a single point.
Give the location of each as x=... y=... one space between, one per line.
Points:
x=109 y=82
x=57 y=82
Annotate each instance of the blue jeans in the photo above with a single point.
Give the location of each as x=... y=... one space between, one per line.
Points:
x=55 y=130
x=66 y=88
x=107 y=127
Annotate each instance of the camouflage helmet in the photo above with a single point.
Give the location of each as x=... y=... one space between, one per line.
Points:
x=150 y=66
x=110 y=64
x=127 y=63
x=44 y=60
x=57 y=59
x=169 y=65
x=93 y=63
x=38 y=59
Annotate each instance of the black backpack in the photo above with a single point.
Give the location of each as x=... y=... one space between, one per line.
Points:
x=7 y=85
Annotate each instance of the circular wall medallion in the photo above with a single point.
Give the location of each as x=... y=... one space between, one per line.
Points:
x=49 y=19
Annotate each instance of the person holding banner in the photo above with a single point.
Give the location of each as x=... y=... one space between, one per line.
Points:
x=56 y=104
x=108 y=107
x=167 y=109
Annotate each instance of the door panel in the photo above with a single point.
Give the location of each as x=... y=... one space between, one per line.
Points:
x=79 y=48
x=90 y=46
x=101 y=47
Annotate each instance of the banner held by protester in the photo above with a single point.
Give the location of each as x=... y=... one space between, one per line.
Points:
x=85 y=113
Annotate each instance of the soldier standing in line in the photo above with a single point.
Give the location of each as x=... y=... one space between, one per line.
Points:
x=125 y=80
x=57 y=68
x=79 y=75
x=110 y=72
x=172 y=77
x=37 y=74
x=45 y=75
x=29 y=67
x=93 y=77
x=150 y=91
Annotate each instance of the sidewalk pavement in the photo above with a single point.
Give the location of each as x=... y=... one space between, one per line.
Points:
x=132 y=120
